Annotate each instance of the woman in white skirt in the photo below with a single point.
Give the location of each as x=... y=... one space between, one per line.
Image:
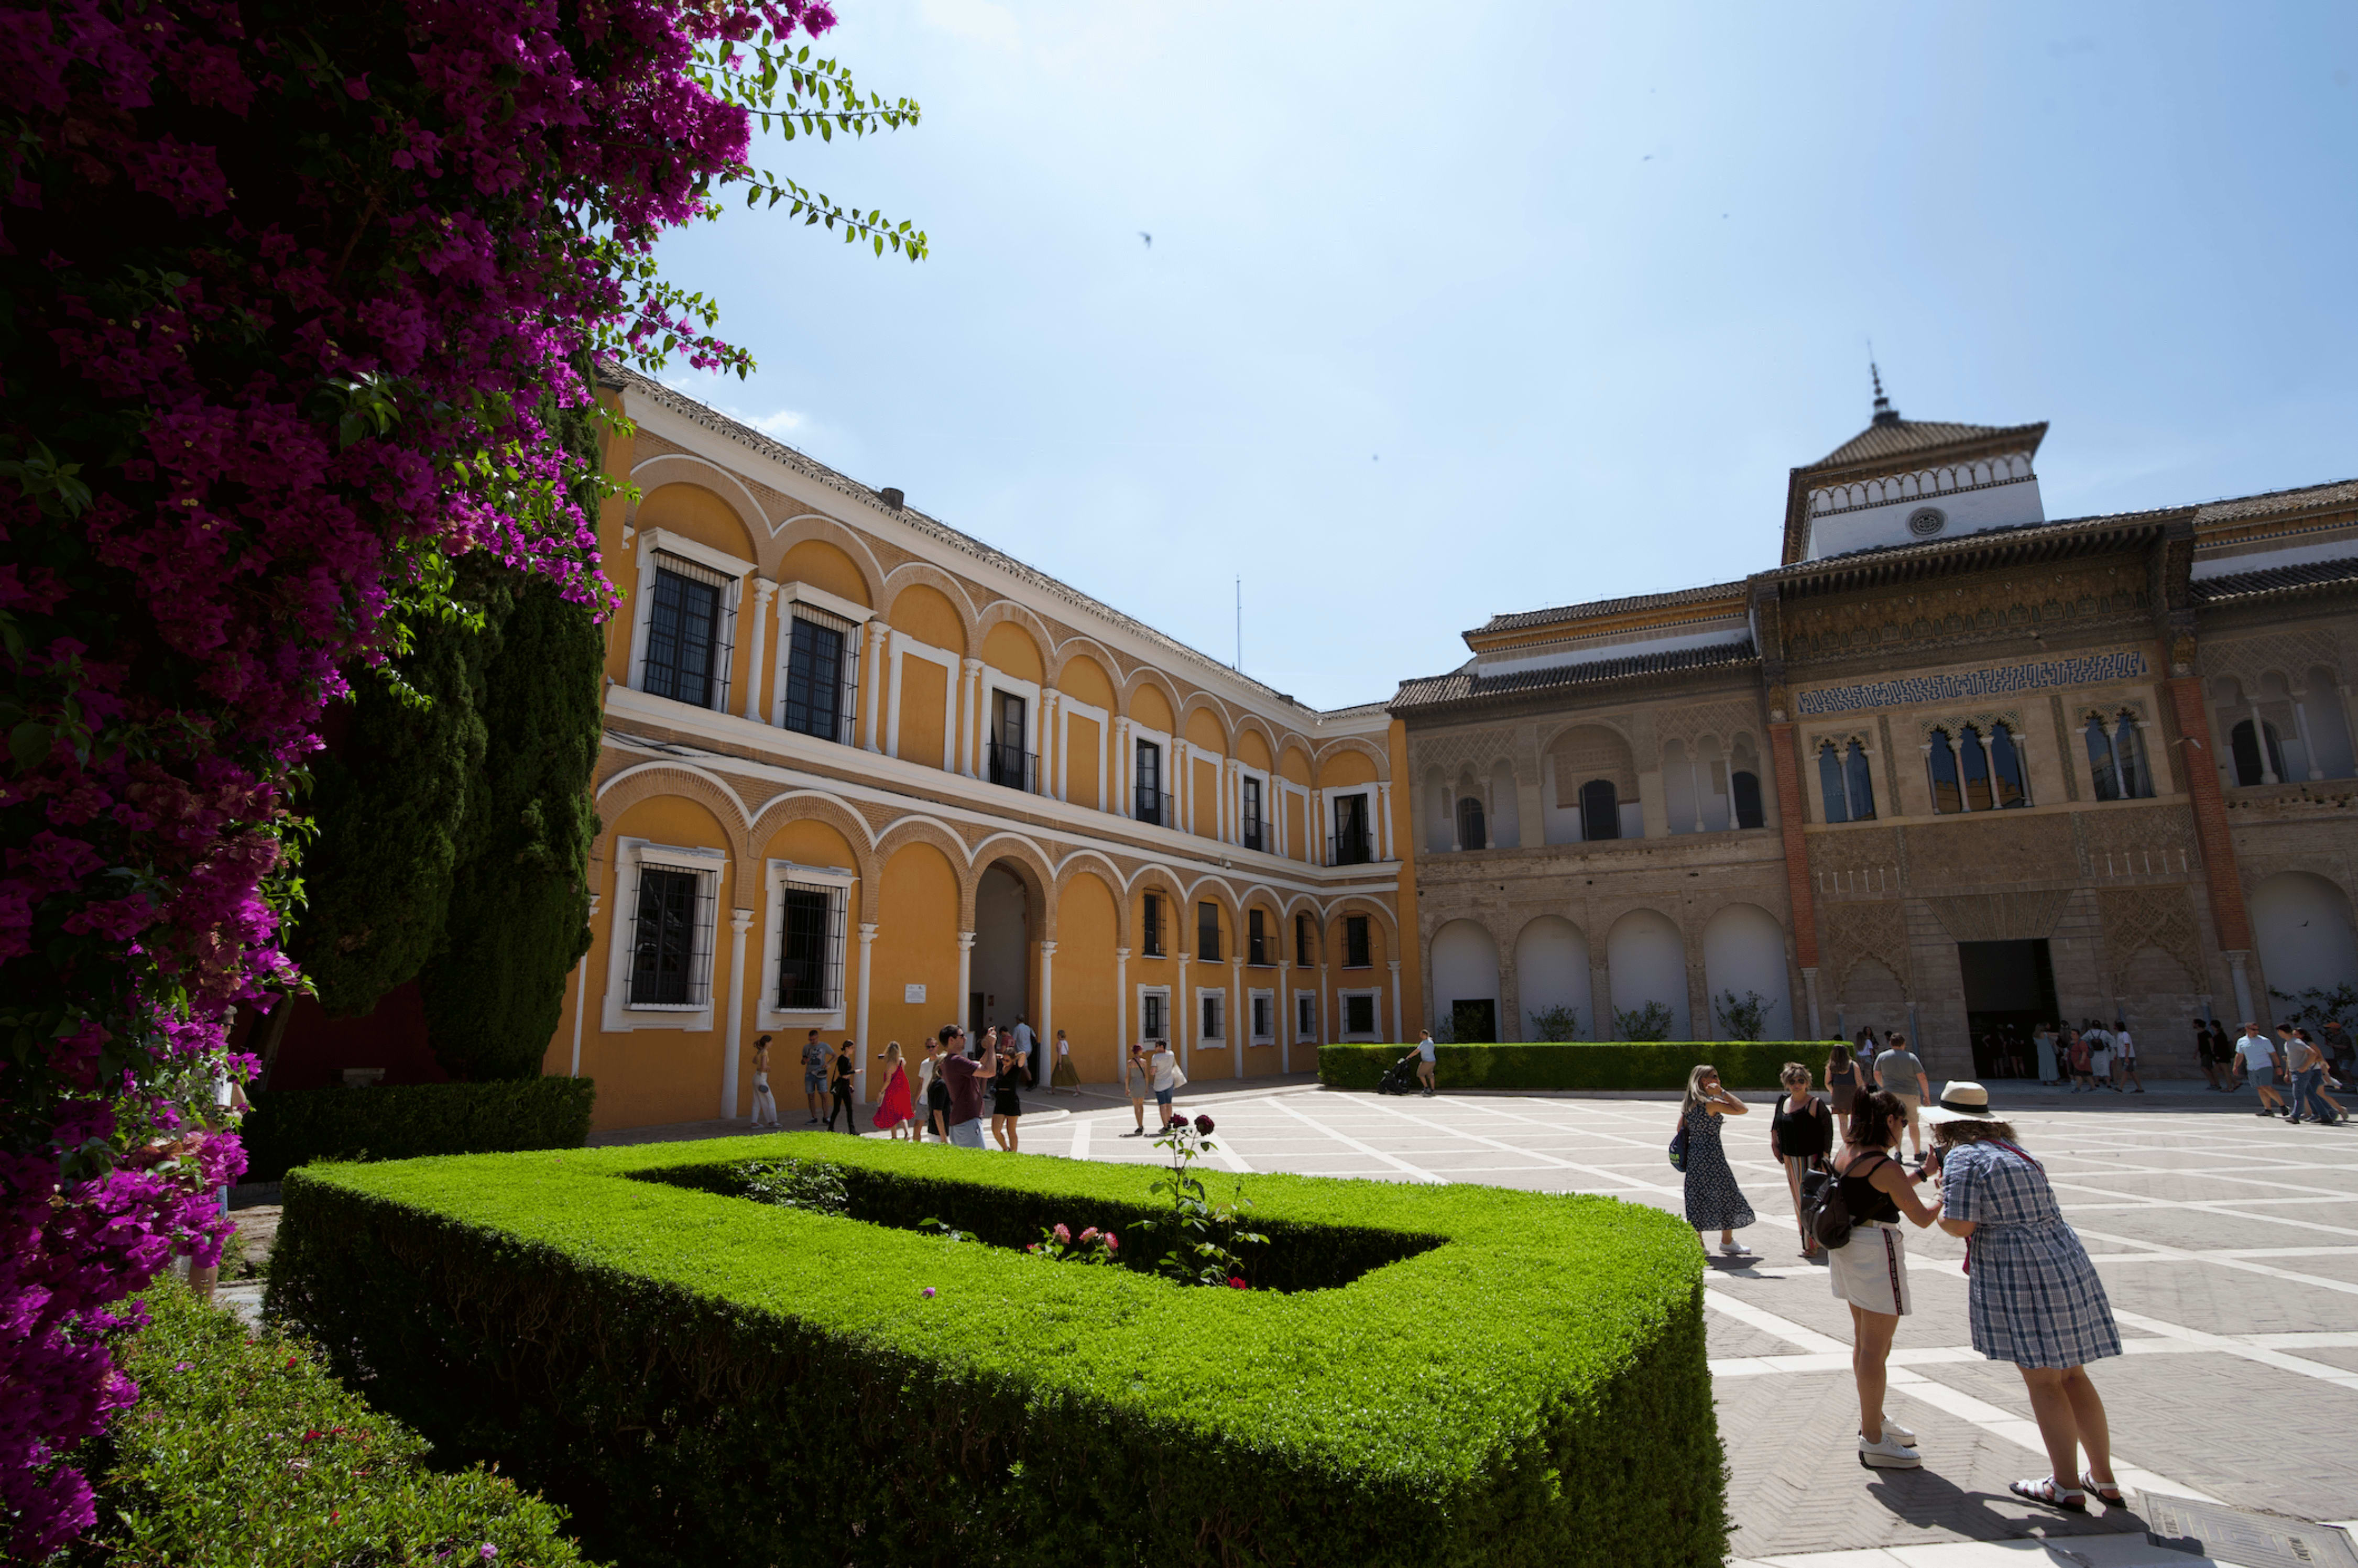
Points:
x=2033 y=1298
x=1870 y=1270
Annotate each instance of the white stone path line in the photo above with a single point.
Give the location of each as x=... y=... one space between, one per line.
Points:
x=1990 y=1418
x=1417 y=1173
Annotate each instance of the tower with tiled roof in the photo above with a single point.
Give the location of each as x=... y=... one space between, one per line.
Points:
x=1903 y=481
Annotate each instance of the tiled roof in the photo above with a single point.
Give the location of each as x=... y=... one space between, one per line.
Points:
x=1900 y=436
x=1463 y=685
x=810 y=468
x=2339 y=493
x=2275 y=579
x=1521 y=619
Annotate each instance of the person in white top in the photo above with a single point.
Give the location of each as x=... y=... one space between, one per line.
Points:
x=1164 y=1067
x=2255 y=1057
x=2099 y=1054
x=2124 y=1057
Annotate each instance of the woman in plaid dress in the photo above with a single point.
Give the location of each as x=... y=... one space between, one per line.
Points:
x=2033 y=1297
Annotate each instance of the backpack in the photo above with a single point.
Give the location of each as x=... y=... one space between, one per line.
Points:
x=1826 y=1213
x=1679 y=1146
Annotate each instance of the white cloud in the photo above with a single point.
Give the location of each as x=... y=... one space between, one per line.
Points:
x=977 y=20
x=782 y=424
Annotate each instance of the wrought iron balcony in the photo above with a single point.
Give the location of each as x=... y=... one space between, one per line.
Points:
x=1259 y=833
x=1348 y=848
x=1155 y=807
x=1006 y=765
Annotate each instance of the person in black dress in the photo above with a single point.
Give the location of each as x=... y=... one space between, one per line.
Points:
x=1802 y=1134
x=844 y=1081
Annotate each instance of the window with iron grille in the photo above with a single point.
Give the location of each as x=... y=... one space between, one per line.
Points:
x=1255 y=938
x=1150 y=935
x=1155 y=1017
x=671 y=940
x=1207 y=933
x=687 y=642
x=1355 y=951
x=1214 y=1016
x=1306 y=1017
x=810 y=947
x=822 y=688
x=1264 y=1018
x=1300 y=941
x=1256 y=834
x=1358 y=1015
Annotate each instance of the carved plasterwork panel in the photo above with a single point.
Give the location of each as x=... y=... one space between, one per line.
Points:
x=2138 y=918
x=1859 y=849
x=1992 y=848
x=2000 y=916
x=1475 y=750
x=2246 y=659
x=1876 y=930
x=1588 y=751
x=1723 y=721
x=2120 y=841
x=1995 y=604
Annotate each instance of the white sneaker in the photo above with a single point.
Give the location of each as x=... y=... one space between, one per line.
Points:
x=1893 y=1431
x=1888 y=1454
x=1732 y=1248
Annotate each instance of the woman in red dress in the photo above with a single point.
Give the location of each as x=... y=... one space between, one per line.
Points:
x=892 y=1107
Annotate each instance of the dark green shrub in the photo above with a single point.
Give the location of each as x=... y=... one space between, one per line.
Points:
x=1459 y=1375
x=243 y=1450
x=293 y=1126
x=1580 y=1065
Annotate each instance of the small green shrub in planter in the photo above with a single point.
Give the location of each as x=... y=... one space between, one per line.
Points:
x=293 y=1126
x=705 y=1376
x=243 y=1450
x=1580 y=1065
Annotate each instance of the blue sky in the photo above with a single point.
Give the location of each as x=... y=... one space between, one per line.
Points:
x=1456 y=310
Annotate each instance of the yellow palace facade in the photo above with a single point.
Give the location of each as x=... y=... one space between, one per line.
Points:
x=865 y=775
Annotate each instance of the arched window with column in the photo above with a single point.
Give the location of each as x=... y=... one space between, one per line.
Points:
x=2244 y=742
x=1848 y=779
x=1472 y=831
x=1600 y=810
x=2116 y=757
x=1830 y=781
x=2009 y=779
x=1940 y=761
x=1974 y=762
x=1858 y=774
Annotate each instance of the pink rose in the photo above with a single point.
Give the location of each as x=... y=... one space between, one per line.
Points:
x=1064 y=1236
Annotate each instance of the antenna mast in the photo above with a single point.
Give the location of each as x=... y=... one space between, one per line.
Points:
x=1240 y=665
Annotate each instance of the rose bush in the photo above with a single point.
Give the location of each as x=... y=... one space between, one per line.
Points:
x=287 y=293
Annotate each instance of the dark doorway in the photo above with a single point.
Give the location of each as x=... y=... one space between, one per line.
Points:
x=2010 y=993
x=1472 y=1023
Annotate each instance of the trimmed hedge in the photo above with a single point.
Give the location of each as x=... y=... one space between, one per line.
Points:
x=1580 y=1065
x=244 y=1450
x=1454 y=1375
x=293 y=1126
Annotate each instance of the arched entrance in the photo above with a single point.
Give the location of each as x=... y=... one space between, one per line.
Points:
x=1465 y=982
x=999 y=980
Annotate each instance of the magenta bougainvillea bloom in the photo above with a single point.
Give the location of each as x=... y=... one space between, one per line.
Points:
x=294 y=293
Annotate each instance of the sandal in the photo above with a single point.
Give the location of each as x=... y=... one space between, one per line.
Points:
x=2070 y=1499
x=2107 y=1492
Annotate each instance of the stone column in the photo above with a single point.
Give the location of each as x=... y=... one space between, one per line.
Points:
x=2237 y=973
x=581 y=996
x=1240 y=1014
x=966 y=975
x=875 y=667
x=2260 y=740
x=1399 y=1027
x=1386 y=850
x=867 y=943
x=1064 y=742
x=1964 y=795
x=1118 y=785
x=1047 y=999
x=1989 y=767
x=1694 y=786
x=2300 y=728
x=764 y=591
x=1316 y=848
x=1179 y=1013
x=1120 y=1009
x=970 y=740
x=740 y=922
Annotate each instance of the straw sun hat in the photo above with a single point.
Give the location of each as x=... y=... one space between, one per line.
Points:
x=1961 y=1099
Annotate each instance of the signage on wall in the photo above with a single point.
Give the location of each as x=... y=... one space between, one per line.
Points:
x=912 y=993
x=1998 y=681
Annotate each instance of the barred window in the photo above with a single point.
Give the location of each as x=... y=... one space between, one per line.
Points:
x=810 y=947
x=1153 y=1017
x=1357 y=953
x=1358 y=1015
x=1264 y=1019
x=1300 y=941
x=1256 y=937
x=1207 y=933
x=1150 y=935
x=671 y=940
x=1306 y=1017
x=821 y=695
x=1215 y=1010
x=687 y=642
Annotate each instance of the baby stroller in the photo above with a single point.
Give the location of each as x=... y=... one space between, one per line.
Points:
x=1399 y=1078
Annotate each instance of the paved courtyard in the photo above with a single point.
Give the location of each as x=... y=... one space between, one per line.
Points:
x=2229 y=1246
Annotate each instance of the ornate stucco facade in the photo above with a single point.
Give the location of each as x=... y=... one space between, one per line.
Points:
x=1950 y=765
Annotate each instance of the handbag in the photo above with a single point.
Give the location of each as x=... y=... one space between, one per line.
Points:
x=1679 y=1146
x=1178 y=1077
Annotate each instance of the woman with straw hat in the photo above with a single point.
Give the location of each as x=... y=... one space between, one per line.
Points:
x=2034 y=1298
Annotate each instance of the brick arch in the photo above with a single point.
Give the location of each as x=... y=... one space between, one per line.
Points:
x=807 y=806
x=1358 y=903
x=1000 y=609
x=1147 y=674
x=926 y=830
x=1267 y=899
x=1304 y=904
x=1032 y=868
x=1378 y=754
x=1090 y=862
x=650 y=779
x=1058 y=654
x=687 y=467
x=1249 y=720
x=1213 y=888
x=785 y=535
x=933 y=576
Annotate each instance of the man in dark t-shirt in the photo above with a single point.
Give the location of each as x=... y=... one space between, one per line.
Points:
x=964 y=1075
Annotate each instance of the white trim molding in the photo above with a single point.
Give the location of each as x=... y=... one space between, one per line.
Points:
x=620 y=1014
x=840 y=883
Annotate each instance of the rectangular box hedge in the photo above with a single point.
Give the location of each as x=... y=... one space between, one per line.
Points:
x=1581 y=1065
x=293 y=1126
x=1454 y=1375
